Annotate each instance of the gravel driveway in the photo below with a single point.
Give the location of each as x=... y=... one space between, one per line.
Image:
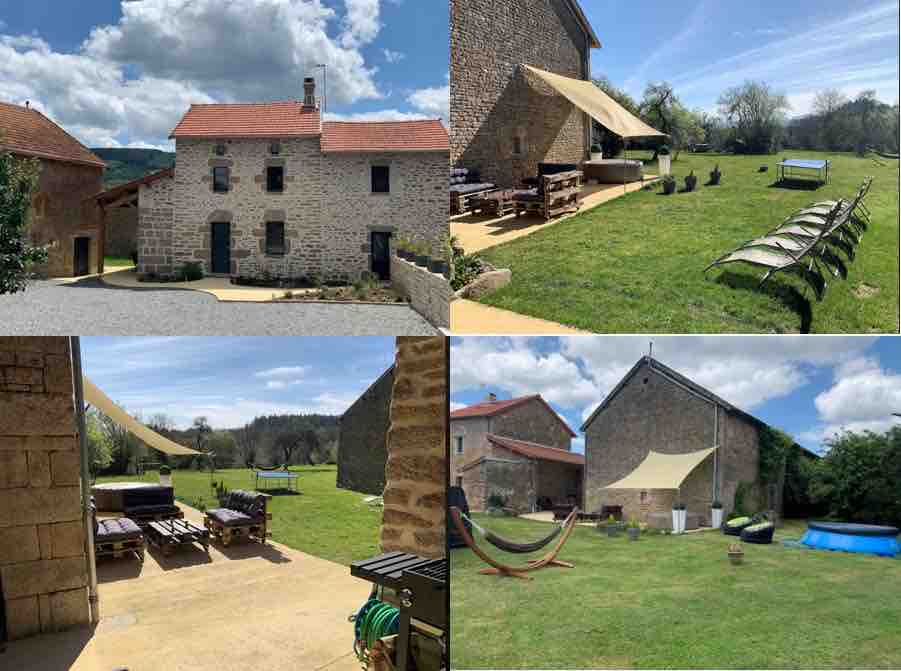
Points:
x=89 y=307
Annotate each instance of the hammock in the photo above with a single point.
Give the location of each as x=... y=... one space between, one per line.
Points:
x=550 y=559
x=510 y=546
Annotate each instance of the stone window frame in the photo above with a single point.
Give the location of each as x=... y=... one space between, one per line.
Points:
x=372 y=167
x=266 y=170
x=459 y=447
x=284 y=247
x=227 y=178
x=220 y=148
x=275 y=148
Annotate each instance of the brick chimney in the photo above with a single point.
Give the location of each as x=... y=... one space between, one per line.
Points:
x=491 y=398
x=309 y=93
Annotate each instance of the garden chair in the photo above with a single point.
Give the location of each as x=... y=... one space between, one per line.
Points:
x=117 y=536
x=760 y=532
x=243 y=514
x=465 y=188
x=776 y=255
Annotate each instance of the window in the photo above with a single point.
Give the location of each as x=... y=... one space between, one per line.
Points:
x=459 y=442
x=275 y=148
x=220 y=180
x=220 y=149
x=275 y=179
x=381 y=179
x=275 y=238
x=517 y=145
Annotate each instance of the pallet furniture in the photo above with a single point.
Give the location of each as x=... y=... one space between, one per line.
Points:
x=169 y=535
x=420 y=585
x=555 y=195
x=264 y=480
x=465 y=187
x=493 y=204
x=116 y=537
x=243 y=515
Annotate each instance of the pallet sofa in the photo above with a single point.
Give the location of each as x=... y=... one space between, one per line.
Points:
x=117 y=536
x=555 y=194
x=243 y=515
x=465 y=188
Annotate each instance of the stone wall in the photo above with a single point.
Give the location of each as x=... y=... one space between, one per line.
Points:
x=156 y=218
x=429 y=294
x=473 y=430
x=121 y=231
x=512 y=478
x=532 y=421
x=327 y=206
x=652 y=413
x=43 y=567
x=62 y=210
x=362 y=438
x=493 y=102
x=416 y=473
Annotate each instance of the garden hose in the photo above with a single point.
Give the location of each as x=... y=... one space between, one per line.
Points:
x=375 y=619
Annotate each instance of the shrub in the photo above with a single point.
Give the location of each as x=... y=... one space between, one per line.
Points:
x=717 y=505
x=663 y=150
x=191 y=271
x=595 y=149
x=18 y=180
x=496 y=500
x=691 y=181
x=466 y=268
x=716 y=175
x=165 y=470
x=669 y=184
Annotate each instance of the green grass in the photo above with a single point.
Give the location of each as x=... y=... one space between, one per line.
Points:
x=634 y=264
x=675 y=602
x=322 y=520
x=116 y=262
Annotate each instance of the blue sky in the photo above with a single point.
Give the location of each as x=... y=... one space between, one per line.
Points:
x=233 y=380
x=122 y=74
x=809 y=386
x=704 y=47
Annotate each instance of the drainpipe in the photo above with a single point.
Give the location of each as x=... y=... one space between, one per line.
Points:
x=93 y=599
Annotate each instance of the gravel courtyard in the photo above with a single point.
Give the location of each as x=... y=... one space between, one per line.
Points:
x=89 y=307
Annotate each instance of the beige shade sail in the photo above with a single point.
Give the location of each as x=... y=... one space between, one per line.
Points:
x=151 y=438
x=662 y=471
x=598 y=105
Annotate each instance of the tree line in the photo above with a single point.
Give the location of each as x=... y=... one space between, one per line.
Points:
x=752 y=118
x=267 y=441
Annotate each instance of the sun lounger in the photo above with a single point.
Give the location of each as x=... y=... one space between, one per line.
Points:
x=244 y=515
x=861 y=195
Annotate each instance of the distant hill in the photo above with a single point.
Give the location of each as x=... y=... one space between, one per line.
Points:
x=126 y=164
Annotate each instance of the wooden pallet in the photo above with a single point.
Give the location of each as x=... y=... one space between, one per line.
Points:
x=257 y=531
x=143 y=519
x=168 y=535
x=117 y=549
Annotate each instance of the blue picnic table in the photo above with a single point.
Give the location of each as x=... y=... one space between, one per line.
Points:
x=275 y=480
x=821 y=166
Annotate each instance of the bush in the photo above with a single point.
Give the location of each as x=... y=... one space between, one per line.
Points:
x=496 y=500
x=191 y=271
x=466 y=268
x=669 y=184
x=663 y=150
x=691 y=181
x=18 y=181
x=715 y=175
x=165 y=470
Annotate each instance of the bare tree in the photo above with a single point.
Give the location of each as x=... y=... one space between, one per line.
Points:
x=756 y=113
x=247 y=440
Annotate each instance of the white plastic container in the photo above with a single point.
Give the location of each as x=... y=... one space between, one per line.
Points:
x=716 y=518
x=664 y=164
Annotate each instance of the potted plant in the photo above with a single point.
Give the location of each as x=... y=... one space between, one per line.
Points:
x=691 y=181
x=633 y=529
x=596 y=152
x=612 y=527
x=716 y=515
x=715 y=175
x=669 y=185
x=664 y=160
x=736 y=553
x=495 y=504
x=400 y=247
x=421 y=250
x=440 y=259
x=165 y=476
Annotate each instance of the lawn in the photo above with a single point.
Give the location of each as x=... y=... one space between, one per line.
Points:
x=117 y=262
x=675 y=602
x=634 y=264
x=322 y=520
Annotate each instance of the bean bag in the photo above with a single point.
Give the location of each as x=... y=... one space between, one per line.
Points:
x=761 y=533
x=735 y=526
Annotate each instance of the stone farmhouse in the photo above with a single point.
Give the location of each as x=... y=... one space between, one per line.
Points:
x=272 y=189
x=654 y=408
x=362 y=438
x=519 y=449
x=504 y=121
x=63 y=215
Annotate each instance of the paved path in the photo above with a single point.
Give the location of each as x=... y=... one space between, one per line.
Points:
x=244 y=607
x=475 y=233
x=469 y=317
x=88 y=307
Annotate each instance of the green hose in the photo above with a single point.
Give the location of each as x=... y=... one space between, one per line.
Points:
x=373 y=621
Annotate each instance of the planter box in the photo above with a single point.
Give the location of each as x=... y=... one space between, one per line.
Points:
x=634 y=533
x=597 y=155
x=166 y=480
x=716 y=518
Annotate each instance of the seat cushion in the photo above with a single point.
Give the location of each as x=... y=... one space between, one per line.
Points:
x=116 y=529
x=229 y=518
x=471 y=188
x=527 y=195
x=251 y=504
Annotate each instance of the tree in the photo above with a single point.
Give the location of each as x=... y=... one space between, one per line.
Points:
x=828 y=107
x=100 y=447
x=247 y=441
x=18 y=181
x=202 y=428
x=611 y=143
x=662 y=109
x=756 y=115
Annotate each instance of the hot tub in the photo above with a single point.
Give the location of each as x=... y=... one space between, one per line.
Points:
x=117 y=496
x=865 y=538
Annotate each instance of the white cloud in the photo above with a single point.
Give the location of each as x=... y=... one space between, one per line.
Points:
x=862 y=398
x=456 y=406
x=377 y=115
x=393 y=56
x=361 y=22
x=282 y=372
x=432 y=100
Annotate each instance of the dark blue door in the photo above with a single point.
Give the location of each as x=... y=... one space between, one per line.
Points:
x=82 y=263
x=381 y=255
x=222 y=248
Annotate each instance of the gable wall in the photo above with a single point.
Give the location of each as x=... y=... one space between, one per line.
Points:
x=534 y=422
x=362 y=440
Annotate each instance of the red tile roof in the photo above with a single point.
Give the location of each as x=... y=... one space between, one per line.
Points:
x=269 y=120
x=389 y=136
x=117 y=191
x=490 y=408
x=27 y=132
x=536 y=451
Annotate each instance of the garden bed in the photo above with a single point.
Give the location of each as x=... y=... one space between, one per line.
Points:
x=343 y=294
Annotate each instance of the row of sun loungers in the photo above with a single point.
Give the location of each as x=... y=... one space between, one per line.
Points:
x=806 y=242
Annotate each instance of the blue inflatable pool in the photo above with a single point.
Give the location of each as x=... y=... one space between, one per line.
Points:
x=865 y=538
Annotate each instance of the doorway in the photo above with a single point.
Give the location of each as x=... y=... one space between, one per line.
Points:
x=380 y=244
x=221 y=248
x=82 y=262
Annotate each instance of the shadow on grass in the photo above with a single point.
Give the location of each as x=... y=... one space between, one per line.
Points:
x=796 y=184
x=281 y=492
x=788 y=295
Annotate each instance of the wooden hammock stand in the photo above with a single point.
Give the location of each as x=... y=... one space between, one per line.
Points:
x=550 y=559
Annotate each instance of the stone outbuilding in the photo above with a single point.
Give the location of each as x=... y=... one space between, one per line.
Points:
x=63 y=213
x=270 y=189
x=504 y=122
x=362 y=438
x=518 y=449
x=656 y=409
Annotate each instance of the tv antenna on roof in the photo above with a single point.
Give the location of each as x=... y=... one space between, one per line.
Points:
x=651 y=349
x=324 y=85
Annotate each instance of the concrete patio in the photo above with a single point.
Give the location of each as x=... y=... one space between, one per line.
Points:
x=243 y=607
x=475 y=232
